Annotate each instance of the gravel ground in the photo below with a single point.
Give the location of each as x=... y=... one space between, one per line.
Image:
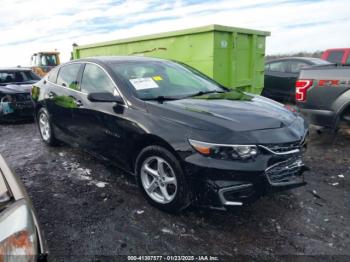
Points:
x=90 y=210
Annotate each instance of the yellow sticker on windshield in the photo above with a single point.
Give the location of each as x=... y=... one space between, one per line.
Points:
x=157 y=78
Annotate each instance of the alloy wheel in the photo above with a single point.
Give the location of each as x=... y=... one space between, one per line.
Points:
x=158 y=179
x=44 y=126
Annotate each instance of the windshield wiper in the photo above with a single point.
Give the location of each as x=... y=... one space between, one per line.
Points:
x=200 y=93
x=162 y=98
x=168 y=98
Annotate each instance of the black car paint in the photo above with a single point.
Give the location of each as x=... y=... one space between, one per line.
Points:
x=280 y=86
x=22 y=105
x=21 y=102
x=119 y=131
x=329 y=104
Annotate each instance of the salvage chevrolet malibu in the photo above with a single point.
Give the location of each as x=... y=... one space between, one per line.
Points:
x=185 y=137
x=15 y=101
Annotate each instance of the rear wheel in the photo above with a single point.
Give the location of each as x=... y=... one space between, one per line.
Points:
x=162 y=179
x=45 y=128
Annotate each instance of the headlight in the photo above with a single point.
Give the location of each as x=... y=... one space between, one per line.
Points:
x=225 y=152
x=18 y=239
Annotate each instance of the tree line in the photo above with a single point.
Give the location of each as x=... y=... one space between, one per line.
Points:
x=316 y=54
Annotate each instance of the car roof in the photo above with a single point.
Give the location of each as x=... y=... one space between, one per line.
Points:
x=302 y=58
x=111 y=59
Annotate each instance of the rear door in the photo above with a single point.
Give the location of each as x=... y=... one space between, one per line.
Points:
x=277 y=82
x=60 y=97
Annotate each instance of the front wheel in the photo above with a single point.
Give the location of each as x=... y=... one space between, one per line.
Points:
x=45 y=128
x=162 y=180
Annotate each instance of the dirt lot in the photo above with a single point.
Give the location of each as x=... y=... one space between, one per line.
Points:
x=89 y=208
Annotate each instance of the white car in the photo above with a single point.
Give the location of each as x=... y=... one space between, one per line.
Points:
x=20 y=236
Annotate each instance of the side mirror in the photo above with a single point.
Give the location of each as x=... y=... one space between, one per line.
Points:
x=105 y=97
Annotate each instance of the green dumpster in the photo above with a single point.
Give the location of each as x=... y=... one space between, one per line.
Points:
x=234 y=57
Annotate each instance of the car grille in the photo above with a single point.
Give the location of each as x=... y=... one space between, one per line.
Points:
x=285 y=172
x=22 y=97
x=282 y=149
x=22 y=105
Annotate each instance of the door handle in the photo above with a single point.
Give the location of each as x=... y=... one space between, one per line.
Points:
x=78 y=103
x=51 y=94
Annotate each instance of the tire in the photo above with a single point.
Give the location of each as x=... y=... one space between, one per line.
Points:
x=45 y=127
x=154 y=160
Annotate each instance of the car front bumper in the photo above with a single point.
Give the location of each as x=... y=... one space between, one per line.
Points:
x=220 y=184
x=19 y=111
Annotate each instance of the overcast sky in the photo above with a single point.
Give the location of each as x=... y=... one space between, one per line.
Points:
x=28 y=26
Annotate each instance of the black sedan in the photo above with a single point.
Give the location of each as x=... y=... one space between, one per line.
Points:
x=185 y=137
x=281 y=75
x=15 y=101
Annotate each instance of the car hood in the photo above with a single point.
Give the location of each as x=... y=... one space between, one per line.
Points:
x=257 y=114
x=15 y=88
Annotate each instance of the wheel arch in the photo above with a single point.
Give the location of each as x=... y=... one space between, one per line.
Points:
x=37 y=107
x=339 y=106
x=149 y=140
x=344 y=110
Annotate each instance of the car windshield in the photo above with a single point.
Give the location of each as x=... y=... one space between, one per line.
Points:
x=155 y=79
x=17 y=76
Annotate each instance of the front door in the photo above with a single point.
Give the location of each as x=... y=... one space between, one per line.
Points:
x=99 y=125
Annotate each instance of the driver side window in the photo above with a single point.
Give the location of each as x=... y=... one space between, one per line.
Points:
x=96 y=80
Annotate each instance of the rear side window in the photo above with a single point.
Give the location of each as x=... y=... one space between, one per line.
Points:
x=53 y=75
x=96 y=80
x=67 y=76
x=279 y=67
x=296 y=66
x=335 y=56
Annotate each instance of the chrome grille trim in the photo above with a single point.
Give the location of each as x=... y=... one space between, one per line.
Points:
x=292 y=151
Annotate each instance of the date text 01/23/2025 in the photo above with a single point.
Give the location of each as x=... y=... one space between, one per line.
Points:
x=173 y=258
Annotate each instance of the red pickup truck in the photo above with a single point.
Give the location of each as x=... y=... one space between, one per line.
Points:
x=339 y=56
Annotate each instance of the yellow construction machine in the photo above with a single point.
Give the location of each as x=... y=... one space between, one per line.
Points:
x=42 y=62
